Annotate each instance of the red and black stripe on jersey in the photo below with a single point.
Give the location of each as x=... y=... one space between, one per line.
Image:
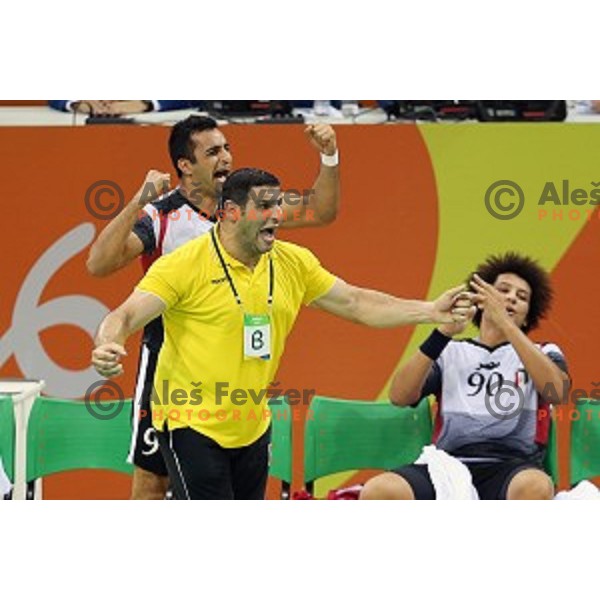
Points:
x=166 y=225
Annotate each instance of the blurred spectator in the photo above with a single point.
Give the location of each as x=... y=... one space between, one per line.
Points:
x=310 y=103
x=121 y=107
x=584 y=107
x=595 y=106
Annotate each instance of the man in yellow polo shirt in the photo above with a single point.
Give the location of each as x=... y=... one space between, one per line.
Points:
x=228 y=301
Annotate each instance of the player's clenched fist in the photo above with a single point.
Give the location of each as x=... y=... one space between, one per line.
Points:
x=322 y=137
x=155 y=184
x=106 y=359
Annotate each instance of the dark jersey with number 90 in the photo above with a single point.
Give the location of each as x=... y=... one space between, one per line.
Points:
x=488 y=406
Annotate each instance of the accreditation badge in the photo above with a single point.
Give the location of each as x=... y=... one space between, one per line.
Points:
x=257 y=336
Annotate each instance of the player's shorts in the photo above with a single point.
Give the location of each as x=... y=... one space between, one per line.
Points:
x=490 y=479
x=201 y=469
x=144 y=451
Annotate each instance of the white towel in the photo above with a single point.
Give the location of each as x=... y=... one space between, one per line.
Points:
x=585 y=490
x=5 y=484
x=451 y=479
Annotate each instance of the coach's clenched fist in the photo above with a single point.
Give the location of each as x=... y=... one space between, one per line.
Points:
x=106 y=359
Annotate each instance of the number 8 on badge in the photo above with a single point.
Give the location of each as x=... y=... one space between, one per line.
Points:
x=257 y=336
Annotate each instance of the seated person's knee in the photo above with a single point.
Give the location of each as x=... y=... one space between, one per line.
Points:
x=387 y=486
x=530 y=484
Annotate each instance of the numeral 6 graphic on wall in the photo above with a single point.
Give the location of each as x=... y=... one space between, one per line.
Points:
x=30 y=319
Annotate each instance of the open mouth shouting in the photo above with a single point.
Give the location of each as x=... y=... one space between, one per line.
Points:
x=267 y=234
x=220 y=175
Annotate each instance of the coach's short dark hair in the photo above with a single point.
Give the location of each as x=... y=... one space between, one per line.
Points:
x=238 y=185
x=181 y=144
x=528 y=269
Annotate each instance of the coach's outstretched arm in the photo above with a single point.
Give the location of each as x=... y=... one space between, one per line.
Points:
x=320 y=206
x=117 y=245
x=138 y=310
x=377 y=309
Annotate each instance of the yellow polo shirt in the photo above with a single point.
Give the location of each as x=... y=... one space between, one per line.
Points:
x=202 y=379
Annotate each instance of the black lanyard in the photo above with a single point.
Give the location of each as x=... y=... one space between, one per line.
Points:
x=231 y=284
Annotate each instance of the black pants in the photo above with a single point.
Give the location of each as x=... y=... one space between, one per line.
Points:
x=144 y=451
x=490 y=479
x=200 y=469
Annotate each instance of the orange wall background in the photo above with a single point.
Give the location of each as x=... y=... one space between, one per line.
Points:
x=385 y=238
x=23 y=102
